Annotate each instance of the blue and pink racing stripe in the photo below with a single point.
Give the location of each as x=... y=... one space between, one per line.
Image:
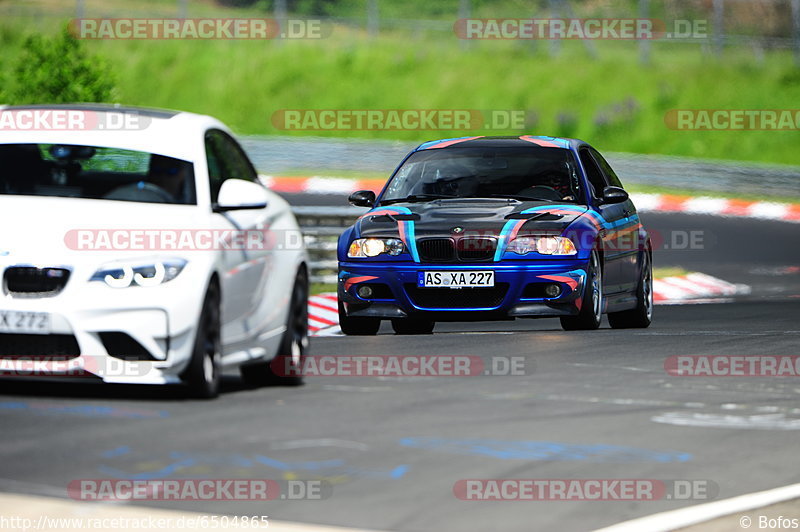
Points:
x=404 y=227
x=512 y=227
x=446 y=142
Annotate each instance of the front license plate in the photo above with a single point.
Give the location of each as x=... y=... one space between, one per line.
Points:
x=471 y=279
x=12 y=321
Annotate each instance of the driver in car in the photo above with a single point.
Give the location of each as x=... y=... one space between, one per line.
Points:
x=167 y=173
x=550 y=184
x=164 y=183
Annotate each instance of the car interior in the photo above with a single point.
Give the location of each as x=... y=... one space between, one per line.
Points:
x=90 y=172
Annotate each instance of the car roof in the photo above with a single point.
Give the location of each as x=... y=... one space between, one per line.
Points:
x=173 y=133
x=521 y=141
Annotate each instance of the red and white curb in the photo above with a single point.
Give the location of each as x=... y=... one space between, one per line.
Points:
x=323 y=314
x=694 y=288
x=764 y=210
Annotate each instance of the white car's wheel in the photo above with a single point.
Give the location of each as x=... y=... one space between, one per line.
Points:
x=203 y=374
x=286 y=368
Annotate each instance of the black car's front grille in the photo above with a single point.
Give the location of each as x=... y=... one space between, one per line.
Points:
x=29 y=281
x=445 y=298
x=37 y=346
x=476 y=249
x=436 y=250
x=450 y=250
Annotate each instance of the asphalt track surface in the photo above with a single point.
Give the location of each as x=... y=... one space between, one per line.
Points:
x=590 y=405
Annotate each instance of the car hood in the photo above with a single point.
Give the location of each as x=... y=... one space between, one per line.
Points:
x=470 y=216
x=44 y=230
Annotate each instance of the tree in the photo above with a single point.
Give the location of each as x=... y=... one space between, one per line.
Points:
x=58 y=69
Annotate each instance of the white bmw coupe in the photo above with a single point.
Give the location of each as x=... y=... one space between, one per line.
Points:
x=139 y=246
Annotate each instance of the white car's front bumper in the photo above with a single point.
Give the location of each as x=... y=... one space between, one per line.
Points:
x=94 y=331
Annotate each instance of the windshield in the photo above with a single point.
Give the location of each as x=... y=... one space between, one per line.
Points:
x=543 y=174
x=95 y=172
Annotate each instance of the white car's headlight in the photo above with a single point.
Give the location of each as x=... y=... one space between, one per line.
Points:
x=546 y=245
x=140 y=273
x=372 y=247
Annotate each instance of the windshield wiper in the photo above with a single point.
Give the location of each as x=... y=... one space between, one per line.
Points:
x=513 y=196
x=418 y=197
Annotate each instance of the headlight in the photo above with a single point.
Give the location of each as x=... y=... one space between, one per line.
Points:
x=141 y=273
x=372 y=247
x=546 y=245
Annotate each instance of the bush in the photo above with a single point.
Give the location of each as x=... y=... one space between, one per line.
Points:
x=57 y=70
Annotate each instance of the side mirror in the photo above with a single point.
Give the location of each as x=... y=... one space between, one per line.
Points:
x=362 y=198
x=614 y=195
x=238 y=194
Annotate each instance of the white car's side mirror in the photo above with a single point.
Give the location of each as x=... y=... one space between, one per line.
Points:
x=238 y=194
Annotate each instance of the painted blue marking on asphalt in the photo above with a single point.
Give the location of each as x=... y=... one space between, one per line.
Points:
x=277 y=464
x=399 y=471
x=235 y=460
x=119 y=451
x=148 y=475
x=182 y=460
x=308 y=466
x=544 y=450
x=84 y=410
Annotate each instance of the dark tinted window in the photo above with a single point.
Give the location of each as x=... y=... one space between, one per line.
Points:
x=226 y=160
x=611 y=176
x=593 y=173
x=95 y=172
x=545 y=174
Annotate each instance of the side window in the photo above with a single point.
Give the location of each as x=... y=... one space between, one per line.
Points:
x=226 y=160
x=611 y=176
x=593 y=173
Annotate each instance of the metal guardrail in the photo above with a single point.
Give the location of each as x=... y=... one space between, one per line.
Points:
x=321 y=229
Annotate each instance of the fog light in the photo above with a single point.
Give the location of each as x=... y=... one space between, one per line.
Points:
x=365 y=291
x=552 y=290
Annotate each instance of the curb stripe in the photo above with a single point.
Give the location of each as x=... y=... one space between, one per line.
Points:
x=789 y=212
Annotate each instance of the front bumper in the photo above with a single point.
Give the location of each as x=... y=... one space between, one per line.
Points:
x=518 y=290
x=91 y=333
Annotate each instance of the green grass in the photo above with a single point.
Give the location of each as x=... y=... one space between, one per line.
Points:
x=320 y=288
x=612 y=101
x=660 y=273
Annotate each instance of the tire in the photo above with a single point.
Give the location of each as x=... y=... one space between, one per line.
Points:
x=591 y=313
x=357 y=326
x=203 y=375
x=413 y=326
x=286 y=369
x=641 y=316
